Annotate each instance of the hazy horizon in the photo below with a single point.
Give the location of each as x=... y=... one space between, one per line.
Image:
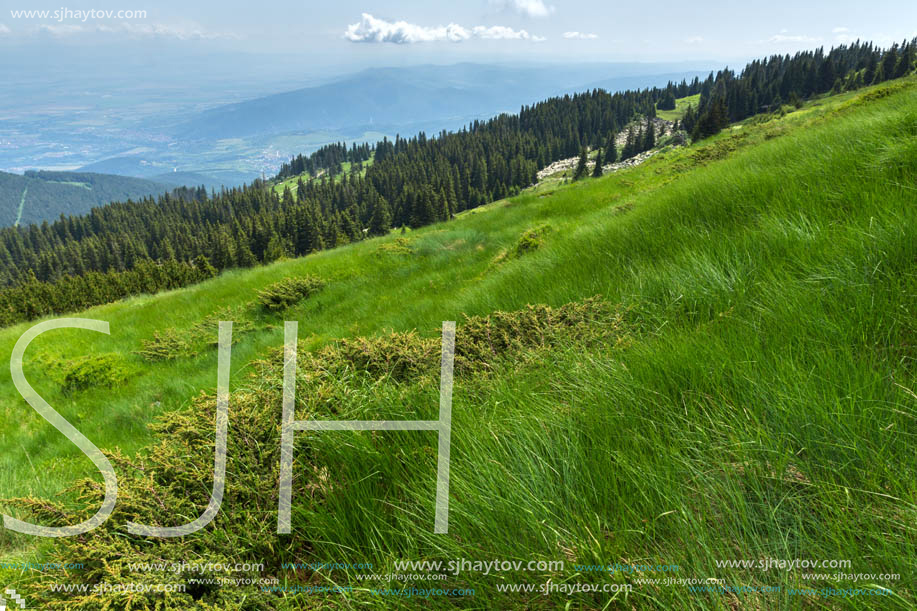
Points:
x=114 y=80
x=355 y=35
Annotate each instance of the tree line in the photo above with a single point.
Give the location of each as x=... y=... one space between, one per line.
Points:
x=766 y=85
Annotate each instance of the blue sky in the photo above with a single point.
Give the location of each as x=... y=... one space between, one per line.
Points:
x=347 y=32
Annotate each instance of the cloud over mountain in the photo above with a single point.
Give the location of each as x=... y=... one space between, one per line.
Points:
x=371 y=29
x=580 y=36
x=528 y=8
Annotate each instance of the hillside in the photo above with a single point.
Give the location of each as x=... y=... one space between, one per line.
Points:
x=44 y=196
x=755 y=319
x=126 y=249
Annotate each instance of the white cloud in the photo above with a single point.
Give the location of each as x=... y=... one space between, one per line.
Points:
x=4 y=29
x=499 y=32
x=694 y=40
x=189 y=32
x=372 y=29
x=783 y=37
x=61 y=30
x=843 y=36
x=580 y=36
x=528 y=8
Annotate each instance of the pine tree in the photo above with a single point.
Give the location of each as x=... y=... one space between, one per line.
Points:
x=649 y=139
x=204 y=268
x=629 y=145
x=689 y=120
x=870 y=75
x=890 y=62
x=611 y=149
x=582 y=167
x=597 y=171
x=275 y=249
x=381 y=221
x=826 y=75
x=667 y=102
x=906 y=61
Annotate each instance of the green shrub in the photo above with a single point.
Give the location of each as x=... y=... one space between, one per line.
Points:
x=288 y=292
x=398 y=246
x=92 y=371
x=528 y=242
x=480 y=341
x=532 y=240
x=171 y=344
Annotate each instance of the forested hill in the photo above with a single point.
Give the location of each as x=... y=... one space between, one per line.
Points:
x=45 y=196
x=123 y=249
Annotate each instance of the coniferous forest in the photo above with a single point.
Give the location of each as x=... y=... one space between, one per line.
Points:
x=189 y=235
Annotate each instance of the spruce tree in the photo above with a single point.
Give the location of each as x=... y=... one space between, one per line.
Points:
x=689 y=120
x=649 y=139
x=889 y=63
x=667 y=102
x=629 y=145
x=871 y=68
x=906 y=61
x=381 y=222
x=611 y=149
x=597 y=171
x=583 y=166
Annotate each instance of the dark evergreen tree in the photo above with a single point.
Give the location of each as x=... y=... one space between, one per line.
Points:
x=597 y=170
x=649 y=138
x=889 y=63
x=667 y=102
x=689 y=120
x=582 y=166
x=906 y=60
x=381 y=221
x=611 y=149
x=630 y=145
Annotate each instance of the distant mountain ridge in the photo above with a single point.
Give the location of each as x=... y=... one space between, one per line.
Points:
x=43 y=196
x=389 y=98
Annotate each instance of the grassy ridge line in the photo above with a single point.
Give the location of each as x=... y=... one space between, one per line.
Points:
x=726 y=251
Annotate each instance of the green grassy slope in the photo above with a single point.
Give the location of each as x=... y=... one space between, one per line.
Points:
x=759 y=404
x=681 y=107
x=290 y=183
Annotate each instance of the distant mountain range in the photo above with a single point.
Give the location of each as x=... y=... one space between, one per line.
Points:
x=392 y=99
x=231 y=144
x=44 y=196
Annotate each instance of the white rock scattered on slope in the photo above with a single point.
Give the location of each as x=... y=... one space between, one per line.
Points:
x=663 y=128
